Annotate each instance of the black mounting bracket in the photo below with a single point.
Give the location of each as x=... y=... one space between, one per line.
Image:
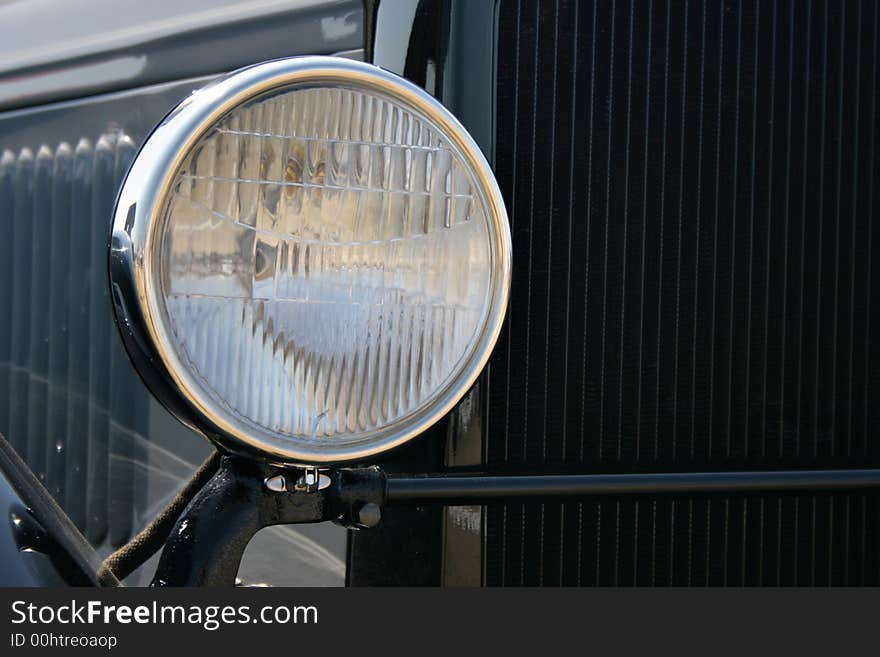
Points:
x=207 y=543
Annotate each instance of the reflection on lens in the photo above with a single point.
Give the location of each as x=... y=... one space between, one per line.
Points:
x=326 y=263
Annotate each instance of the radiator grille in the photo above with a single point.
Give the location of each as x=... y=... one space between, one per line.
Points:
x=69 y=400
x=779 y=540
x=691 y=195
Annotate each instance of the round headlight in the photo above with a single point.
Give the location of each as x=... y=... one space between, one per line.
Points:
x=310 y=261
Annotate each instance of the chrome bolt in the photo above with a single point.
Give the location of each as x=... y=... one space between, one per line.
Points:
x=369 y=515
x=277 y=484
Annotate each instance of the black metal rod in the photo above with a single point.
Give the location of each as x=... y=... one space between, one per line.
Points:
x=51 y=517
x=481 y=489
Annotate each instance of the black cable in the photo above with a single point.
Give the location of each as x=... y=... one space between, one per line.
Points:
x=148 y=541
x=52 y=517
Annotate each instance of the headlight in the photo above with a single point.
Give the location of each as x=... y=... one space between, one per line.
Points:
x=310 y=261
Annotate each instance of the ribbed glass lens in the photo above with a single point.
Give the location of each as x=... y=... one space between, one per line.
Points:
x=326 y=264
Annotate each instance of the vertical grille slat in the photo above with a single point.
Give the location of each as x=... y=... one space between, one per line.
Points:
x=38 y=359
x=78 y=318
x=21 y=300
x=100 y=324
x=7 y=267
x=58 y=346
x=123 y=403
x=690 y=187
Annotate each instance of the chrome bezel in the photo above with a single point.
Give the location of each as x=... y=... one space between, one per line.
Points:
x=141 y=200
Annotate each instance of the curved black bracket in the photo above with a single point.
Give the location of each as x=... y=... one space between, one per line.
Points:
x=209 y=539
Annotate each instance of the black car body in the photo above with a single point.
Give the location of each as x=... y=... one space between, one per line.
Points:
x=690 y=187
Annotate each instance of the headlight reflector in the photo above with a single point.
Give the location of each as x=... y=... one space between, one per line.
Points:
x=325 y=258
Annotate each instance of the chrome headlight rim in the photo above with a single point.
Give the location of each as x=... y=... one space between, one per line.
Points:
x=136 y=231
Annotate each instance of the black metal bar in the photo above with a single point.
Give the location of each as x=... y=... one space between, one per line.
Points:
x=481 y=489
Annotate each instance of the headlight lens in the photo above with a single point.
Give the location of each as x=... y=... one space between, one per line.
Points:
x=327 y=263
